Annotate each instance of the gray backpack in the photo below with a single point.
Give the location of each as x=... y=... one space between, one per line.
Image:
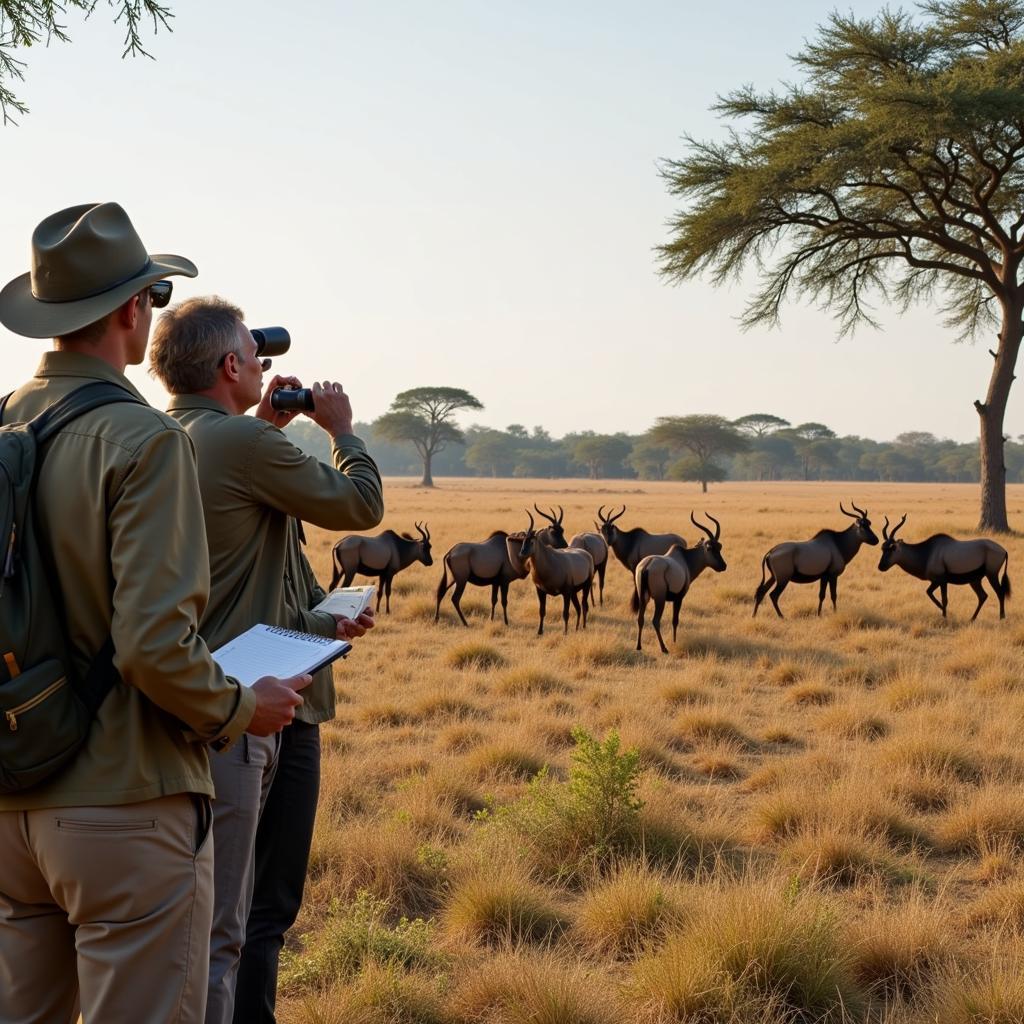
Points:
x=45 y=711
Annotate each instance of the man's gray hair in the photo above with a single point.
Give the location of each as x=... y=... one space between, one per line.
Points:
x=189 y=342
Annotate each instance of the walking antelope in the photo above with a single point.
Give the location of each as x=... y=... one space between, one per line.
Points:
x=493 y=563
x=668 y=577
x=820 y=560
x=632 y=545
x=565 y=572
x=943 y=560
x=384 y=556
x=594 y=544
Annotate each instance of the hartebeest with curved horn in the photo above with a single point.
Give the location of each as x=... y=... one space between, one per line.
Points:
x=820 y=560
x=630 y=546
x=664 y=578
x=493 y=563
x=566 y=572
x=595 y=546
x=383 y=556
x=942 y=560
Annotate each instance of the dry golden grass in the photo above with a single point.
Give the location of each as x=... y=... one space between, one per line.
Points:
x=832 y=829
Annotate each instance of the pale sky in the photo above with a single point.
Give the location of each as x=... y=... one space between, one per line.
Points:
x=459 y=193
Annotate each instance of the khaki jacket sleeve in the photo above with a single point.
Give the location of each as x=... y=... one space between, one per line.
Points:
x=347 y=496
x=161 y=572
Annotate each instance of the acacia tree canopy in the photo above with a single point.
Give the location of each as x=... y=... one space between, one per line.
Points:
x=891 y=170
x=704 y=437
x=25 y=23
x=425 y=417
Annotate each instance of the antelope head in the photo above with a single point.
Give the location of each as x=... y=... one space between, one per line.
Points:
x=554 y=531
x=608 y=528
x=712 y=547
x=424 y=532
x=890 y=545
x=863 y=524
x=529 y=538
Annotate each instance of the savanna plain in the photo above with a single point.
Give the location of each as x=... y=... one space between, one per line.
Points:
x=800 y=820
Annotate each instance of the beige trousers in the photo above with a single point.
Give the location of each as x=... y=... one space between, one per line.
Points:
x=107 y=910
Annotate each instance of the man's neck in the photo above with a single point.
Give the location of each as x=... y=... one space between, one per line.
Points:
x=224 y=396
x=110 y=350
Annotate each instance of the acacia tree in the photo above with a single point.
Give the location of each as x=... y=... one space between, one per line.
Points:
x=704 y=437
x=25 y=23
x=757 y=424
x=425 y=417
x=894 y=170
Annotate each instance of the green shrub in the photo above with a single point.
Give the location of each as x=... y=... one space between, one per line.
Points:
x=355 y=935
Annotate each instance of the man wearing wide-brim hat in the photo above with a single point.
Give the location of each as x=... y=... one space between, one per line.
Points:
x=107 y=866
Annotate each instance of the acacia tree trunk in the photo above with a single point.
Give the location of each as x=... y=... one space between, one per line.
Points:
x=428 y=480
x=991 y=412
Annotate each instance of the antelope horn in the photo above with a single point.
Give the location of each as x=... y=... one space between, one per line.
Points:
x=425 y=530
x=619 y=516
x=701 y=526
x=530 y=514
x=549 y=518
x=561 y=514
x=859 y=511
x=852 y=515
x=718 y=525
x=897 y=526
x=601 y=515
x=885 y=529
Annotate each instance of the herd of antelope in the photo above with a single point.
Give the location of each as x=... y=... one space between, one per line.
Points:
x=662 y=565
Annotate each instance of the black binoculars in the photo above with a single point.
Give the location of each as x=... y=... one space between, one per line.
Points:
x=275 y=341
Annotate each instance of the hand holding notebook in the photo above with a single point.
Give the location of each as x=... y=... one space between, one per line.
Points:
x=276 y=651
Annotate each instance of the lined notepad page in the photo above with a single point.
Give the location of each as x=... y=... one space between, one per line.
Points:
x=276 y=651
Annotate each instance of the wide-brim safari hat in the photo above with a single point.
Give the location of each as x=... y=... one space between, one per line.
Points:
x=86 y=261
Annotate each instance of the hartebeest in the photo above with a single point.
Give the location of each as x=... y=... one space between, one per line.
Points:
x=566 y=572
x=383 y=556
x=942 y=560
x=632 y=545
x=664 y=578
x=820 y=560
x=493 y=563
x=595 y=546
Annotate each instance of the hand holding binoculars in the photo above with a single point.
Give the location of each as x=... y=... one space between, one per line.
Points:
x=275 y=341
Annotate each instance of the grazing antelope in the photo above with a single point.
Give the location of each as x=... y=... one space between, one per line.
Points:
x=493 y=563
x=820 y=560
x=564 y=572
x=632 y=545
x=943 y=560
x=664 y=578
x=384 y=555
x=595 y=546
x=553 y=535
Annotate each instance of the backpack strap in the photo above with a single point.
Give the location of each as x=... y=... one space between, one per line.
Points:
x=101 y=676
x=76 y=403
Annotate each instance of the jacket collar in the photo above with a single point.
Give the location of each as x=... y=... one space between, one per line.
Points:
x=180 y=402
x=77 y=364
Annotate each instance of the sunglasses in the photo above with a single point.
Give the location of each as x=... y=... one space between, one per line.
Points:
x=160 y=293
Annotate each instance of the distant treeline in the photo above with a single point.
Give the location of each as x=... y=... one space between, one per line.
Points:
x=700 y=448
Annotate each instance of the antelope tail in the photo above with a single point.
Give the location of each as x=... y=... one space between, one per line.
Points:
x=764 y=567
x=1006 y=577
x=336 y=572
x=443 y=586
x=639 y=593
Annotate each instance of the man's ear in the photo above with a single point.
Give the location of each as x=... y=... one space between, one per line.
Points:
x=127 y=313
x=231 y=366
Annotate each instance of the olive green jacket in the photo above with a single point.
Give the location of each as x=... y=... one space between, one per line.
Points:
x=119 y=507
x=255 y=482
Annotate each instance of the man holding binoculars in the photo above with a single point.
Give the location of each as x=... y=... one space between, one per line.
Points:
x=256 y=487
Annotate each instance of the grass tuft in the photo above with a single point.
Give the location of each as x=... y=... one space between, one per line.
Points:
x=474 y=655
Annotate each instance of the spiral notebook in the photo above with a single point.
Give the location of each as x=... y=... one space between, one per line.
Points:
x=276 y=651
